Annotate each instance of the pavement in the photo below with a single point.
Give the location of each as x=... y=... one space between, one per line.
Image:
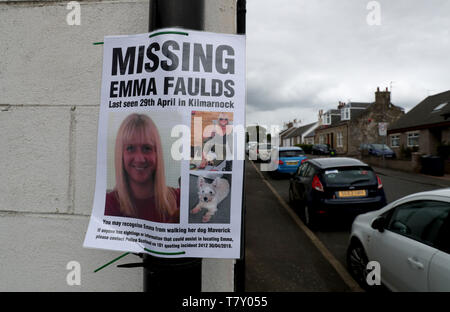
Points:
x=443 y=181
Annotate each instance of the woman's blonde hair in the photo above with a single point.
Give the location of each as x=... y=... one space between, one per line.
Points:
x=165 y=198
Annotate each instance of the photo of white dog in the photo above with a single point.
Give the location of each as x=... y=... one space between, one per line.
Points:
x=210 y=195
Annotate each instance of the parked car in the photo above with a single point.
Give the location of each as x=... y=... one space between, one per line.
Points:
x=409 y=238
x=377 y=150
x=289 y=159
x=323 y=149
x=335 y=187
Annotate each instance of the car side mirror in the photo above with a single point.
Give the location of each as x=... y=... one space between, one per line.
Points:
x=379 y=224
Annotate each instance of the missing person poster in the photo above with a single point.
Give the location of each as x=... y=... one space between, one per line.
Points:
x=170 y=154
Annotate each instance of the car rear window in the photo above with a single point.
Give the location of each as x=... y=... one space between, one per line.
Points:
x=291 y=153
x=349 y=176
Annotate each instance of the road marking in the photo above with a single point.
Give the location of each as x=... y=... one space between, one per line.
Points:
x=341 y=271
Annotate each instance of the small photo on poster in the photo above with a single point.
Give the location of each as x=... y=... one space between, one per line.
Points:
x=211 y=141
x=142 y=177
x=209 y=197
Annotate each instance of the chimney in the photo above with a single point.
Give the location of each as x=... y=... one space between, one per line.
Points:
x=341 y=105
x=383 y=97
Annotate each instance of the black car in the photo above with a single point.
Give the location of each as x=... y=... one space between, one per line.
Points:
x=323 y=149
x=335 y=187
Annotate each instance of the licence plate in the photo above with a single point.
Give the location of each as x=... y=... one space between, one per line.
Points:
x=357 y=193
x=291 y=163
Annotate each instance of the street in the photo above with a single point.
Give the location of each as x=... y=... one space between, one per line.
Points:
x=281 y=257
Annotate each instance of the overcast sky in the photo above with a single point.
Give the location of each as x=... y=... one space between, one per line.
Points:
x=304 y=55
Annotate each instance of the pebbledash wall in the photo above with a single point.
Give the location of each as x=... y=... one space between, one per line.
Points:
x=50 y=76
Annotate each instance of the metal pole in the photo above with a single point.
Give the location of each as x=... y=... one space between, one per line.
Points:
x=185 y=274
x=177 y=274
x=187 y=14
x=240 y=263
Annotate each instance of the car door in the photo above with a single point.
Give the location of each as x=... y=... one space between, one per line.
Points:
x=405 y=249
x=300 y=180
x=439 y=275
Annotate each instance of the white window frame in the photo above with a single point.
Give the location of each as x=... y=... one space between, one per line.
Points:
x=396 y=136
x=326 y=119
x=409 y=135
x=339 y=139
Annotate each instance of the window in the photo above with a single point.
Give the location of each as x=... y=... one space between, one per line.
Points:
x=349 y=176
x=303 y=169
x=413 y=139
x=340 y=139
x=395 y=140
x=421 y=220
x=439 y=107
x=345 y=113
x=321 y=139
x=291 y=153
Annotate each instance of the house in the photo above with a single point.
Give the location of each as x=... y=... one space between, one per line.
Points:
x=298 y=135
x=354 y=123
x=309 y=138
x=424 y=127
x=290 y=128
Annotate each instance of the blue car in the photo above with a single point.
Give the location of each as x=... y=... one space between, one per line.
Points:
x=377 y=150
x=289 y=159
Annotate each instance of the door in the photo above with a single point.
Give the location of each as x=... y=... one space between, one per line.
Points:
x=439 y=276
x=301 y=180
x=405 y=249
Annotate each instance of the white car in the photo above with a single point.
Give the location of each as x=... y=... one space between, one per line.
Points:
x=409 y=238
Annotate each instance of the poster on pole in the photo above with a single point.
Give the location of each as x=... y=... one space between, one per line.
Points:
x=170 y=154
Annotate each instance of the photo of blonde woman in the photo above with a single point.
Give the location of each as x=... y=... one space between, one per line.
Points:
x=140 y=185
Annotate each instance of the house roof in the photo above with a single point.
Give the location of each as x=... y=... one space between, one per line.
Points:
x=287 y=131
x=300 y=130
x=431 y=111
x=311 y=134
x=358 y=104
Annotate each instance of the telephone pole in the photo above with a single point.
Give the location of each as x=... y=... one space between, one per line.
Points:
x=184 y=274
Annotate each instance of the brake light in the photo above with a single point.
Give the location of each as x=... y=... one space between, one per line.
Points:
x=303 y=160
x=380 y=185
x=316 y=184
x=280 y=162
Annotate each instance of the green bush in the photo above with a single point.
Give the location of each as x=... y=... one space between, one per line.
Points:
x=306 y=147
x=406 y=152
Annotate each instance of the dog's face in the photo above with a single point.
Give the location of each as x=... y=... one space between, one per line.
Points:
x=206 y=191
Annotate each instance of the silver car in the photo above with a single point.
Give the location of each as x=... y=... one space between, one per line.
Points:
x=408 y=240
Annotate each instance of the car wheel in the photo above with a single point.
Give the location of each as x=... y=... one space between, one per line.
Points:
x=357 y=264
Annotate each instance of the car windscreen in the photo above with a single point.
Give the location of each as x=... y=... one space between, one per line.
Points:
x=349 y=176
x=291 y=153
x=380 y=147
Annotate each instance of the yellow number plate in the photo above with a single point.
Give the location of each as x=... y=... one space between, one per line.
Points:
x=291 y=163
x=358 y=193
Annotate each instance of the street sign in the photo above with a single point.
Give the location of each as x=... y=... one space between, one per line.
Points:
x=382 y=128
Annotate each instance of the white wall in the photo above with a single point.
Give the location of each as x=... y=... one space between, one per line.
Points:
x=50 y=76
